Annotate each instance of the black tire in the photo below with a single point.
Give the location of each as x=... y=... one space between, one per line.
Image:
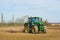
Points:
x=35 y=29
x=26 y=24
x=45 y=29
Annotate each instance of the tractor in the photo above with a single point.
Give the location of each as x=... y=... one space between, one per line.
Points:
x=34 y=25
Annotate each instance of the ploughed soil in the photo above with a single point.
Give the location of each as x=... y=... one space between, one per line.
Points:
x=53 y=33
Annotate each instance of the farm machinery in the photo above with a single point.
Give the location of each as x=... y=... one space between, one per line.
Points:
x=34 y=25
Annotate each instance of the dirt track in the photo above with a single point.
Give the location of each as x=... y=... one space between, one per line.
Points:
x=52 y=34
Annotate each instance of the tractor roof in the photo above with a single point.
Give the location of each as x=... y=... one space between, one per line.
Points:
x=33 y=17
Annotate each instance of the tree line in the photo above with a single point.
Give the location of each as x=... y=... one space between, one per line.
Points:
x=18 y=22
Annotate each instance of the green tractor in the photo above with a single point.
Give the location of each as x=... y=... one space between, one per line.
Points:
x=34 y=25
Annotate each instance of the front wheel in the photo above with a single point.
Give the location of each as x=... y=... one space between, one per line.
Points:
x=45 y=29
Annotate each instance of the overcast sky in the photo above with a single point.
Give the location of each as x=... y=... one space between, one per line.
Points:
x=47 y=9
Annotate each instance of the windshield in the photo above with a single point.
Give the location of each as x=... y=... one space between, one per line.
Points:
x=33 y=19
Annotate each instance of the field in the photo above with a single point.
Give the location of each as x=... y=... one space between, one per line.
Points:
x=53 y=33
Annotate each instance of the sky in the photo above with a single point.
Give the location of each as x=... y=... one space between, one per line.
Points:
x=46 y=9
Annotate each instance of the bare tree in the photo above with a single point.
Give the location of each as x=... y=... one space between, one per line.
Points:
x=1 y=17
x=46 y=22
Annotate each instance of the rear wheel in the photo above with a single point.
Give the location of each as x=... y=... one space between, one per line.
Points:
x=35 y=29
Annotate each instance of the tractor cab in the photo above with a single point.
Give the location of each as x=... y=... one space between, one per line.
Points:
x=33 y=19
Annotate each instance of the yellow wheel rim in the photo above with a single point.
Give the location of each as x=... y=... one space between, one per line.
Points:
x=27 y=29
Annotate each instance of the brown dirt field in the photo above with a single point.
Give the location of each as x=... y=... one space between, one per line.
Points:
x=52 y=34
